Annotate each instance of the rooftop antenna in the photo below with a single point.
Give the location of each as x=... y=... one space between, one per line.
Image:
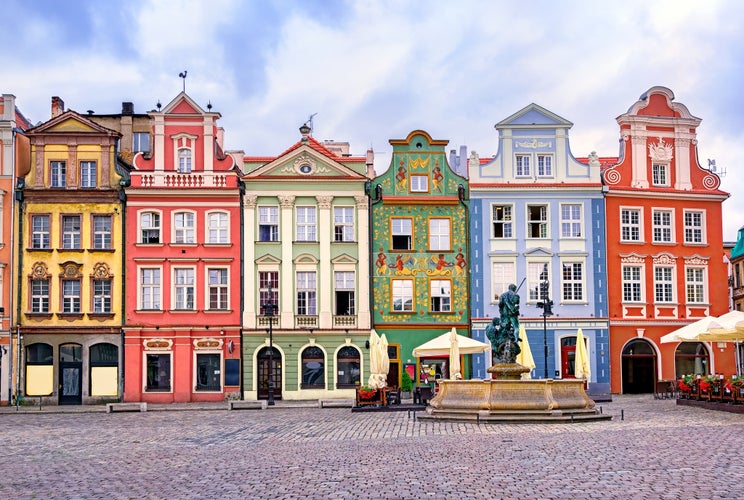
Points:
x=310 y=122
x=712 y=167
x=183 y=75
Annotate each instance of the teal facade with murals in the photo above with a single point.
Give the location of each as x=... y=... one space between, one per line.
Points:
x=420 y=255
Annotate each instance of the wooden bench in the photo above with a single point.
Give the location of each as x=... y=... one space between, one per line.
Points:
x=335 y=403
x=247 y=405
x=112 y=407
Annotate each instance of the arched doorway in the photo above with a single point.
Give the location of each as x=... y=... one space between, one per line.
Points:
x=70 y=374
x=568 y=357
x=691 y=358
x=263 y=373
x=639 y=367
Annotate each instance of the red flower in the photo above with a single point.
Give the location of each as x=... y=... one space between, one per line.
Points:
x=704 y=385
x=684 y=386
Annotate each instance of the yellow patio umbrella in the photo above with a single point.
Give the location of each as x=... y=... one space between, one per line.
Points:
x=582 y=368
x=454 y=355
x=524 y=357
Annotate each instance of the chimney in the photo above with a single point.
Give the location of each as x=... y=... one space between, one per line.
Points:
x=220 y=137
x=127 y=108
x=58 y=106
x=371 y=164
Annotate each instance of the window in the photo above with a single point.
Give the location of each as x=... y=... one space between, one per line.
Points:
x=59 y=174
x=208 y=373
x=440 y=293
x=158 y=372
x=663 y=285
x=502 y=275
x=573 y=281
x=419 y=183
x=662 y=226
x=544 y=165
x=345 y=284
x=537 y=273
x=40 y=231
x=348 y=367
x=102 y=296
x=523 y=165
x=537 y=221
x=184 y=161
x=268 y=223
x=184 y=285
x=691 y=358
x=150 y=227
x=71 y=231
x=102 y=231
x=217 y=289
x=631 y=284
x=184 y=227
x=694 y=227
x=71 y=296
x=306 y=224
x=659 y=174
x=268 y=284
x=695 y=284
x=88 y=174
x=217 y=228
x=630 y=224
x=343 y=224
x=313 y=368
x=40 y=296
x=306 y=294
x=439 y=234
x=104 y=369
x=402 y=232
x=39 y=369
x=402 y=295
x=150 y=288
x=141 y=142
x=502 y=221
x=571 y=221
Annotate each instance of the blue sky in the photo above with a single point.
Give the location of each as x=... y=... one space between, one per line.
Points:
x=375 y=70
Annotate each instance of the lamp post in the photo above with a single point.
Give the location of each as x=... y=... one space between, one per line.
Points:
x=547 y=306
x=268 y=310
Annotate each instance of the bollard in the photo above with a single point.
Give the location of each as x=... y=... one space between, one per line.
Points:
x=600 y=410
x=622 y=414
x=39 y=403
x=477 y=418
x=572 y=418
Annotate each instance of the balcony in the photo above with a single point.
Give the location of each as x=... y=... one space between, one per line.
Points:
x=306 y=321
x=192 y=180
x=345 y=321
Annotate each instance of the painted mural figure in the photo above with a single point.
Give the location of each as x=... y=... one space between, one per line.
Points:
x=401 y=178
x=460 y=263
x=436 y=178
x=380 y=263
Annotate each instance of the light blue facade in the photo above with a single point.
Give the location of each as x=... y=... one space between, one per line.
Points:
x=534 y=205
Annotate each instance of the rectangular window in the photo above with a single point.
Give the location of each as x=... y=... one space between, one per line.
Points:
x=537 y=221
x=102 y=231
x=537 y=274
x=150 y=227
x=439 y=234
x=502 y=275
x=502 y=221
x=158 y=372
x=184 y=227
x=40 y=231
x=662 y=226
x=217 y=289
x=523 y=165
x=59 y=174
x=101 y=296
x=306 y=224
x=184 y=161
x=343 y=224
x=440 y=293
x=631 y=284
x=40 y=296
x=184 y=288
x=663 y=285
x=71 y=296
x=345 y=286
x=268 y=285
x=306 y=294
x=419 y=183
x=659 y=174
x=571 y=223
x=217 y=228
x=630 y=224
x=268 y=223
x=141 y=142
x=71 y=231
x=694 y=227
x=573 y=281
x=545 y=165
x=402 y=232
x=88 y=174
x=402 y=295
x=208 y=373
x=695 y=285
x=150 y=288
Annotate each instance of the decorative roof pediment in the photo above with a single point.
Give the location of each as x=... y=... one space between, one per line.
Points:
x=305 y=162
x=268 y=259
x=538 y=252
x=534 y=116
x=306 y=258
x=182 y=104
x=344 y=259
x=71 y=122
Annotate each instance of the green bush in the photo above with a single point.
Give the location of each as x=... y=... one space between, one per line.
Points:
x=406 y=383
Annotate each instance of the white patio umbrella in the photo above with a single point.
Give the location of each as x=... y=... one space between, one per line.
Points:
x=524 y=357
x=374 y=360
x=454 y=354
x=582 y=368
x=384 y=361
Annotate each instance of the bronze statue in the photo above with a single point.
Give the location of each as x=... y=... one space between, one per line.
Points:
x=503 y=332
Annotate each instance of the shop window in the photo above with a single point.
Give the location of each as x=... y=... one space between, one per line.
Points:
x=158 y=372
x=39 y=370
x=691 y=358
x=104 y=370
x=208 y=373
x=313 y=368
x=348 y=368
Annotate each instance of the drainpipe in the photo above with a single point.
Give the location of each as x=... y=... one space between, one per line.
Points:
x=20 y=184
x=241 y=186
x=123 y=202
x=461 y=199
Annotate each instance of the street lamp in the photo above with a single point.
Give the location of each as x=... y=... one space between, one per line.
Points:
x=268 y=310
x=547 y=306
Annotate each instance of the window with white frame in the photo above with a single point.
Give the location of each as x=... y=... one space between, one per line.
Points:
x=184 y=227
x=40 y=231
x=663 y=284
x=419 y=183
x=694 y=226
x=102 y=296
x=502 y=221
x=573 y=281
x=141 y=142
x=158 y=368
x=523 y=165
x=268 y=223
x=660 y=174
x=502 y=275
x=402 y=233
x=343 y=224
x=632 y=284
x=662 y=226
x=439 y=234
x=102 y=231
x=630 y=224
x=217 y=228
x=268 y=291
x=345 y=287
x=184 y=160
x=71 y=296
x=150 y=227
x=695 y=284
x=537 y=221
x=88 y=174
x=71 y=231
x=440 y=295
x=217 y=289
x=58 y=176
x=306 y=224
x=571 y=222
x=150 y=292
x=402 y=295
x=184 y=287
x=306 y=293
x=40 y=296
x=545 y=165
x=537 y=272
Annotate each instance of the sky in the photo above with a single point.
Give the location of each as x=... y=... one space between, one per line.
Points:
x=376 y=70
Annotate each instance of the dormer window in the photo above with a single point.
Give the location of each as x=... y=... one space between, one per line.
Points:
x=184 y=161
x=660 y=174
x=183 y=151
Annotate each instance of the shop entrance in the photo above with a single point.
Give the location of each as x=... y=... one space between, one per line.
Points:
x=568 y=357
x=70 y=374
x=638 y=367
x=263 y=373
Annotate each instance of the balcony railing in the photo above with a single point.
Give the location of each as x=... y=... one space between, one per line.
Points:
x=306 y=321
x=345 y=321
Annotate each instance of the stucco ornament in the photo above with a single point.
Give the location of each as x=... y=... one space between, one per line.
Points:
x=660 y=152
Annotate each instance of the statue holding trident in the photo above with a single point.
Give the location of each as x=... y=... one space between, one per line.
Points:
x=503 y=332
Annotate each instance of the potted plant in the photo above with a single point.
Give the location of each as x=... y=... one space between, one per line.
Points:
x=406 y=385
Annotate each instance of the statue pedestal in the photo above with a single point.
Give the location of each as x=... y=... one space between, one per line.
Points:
x=508 y=371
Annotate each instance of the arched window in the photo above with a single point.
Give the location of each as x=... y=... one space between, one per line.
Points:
x=104 y=370
x=691 y=358
x=184 y=161
x=313 y=368
x=39 y=370
x=348 y=367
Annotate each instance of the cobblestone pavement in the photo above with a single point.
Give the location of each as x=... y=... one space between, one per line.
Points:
x=656 y=450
